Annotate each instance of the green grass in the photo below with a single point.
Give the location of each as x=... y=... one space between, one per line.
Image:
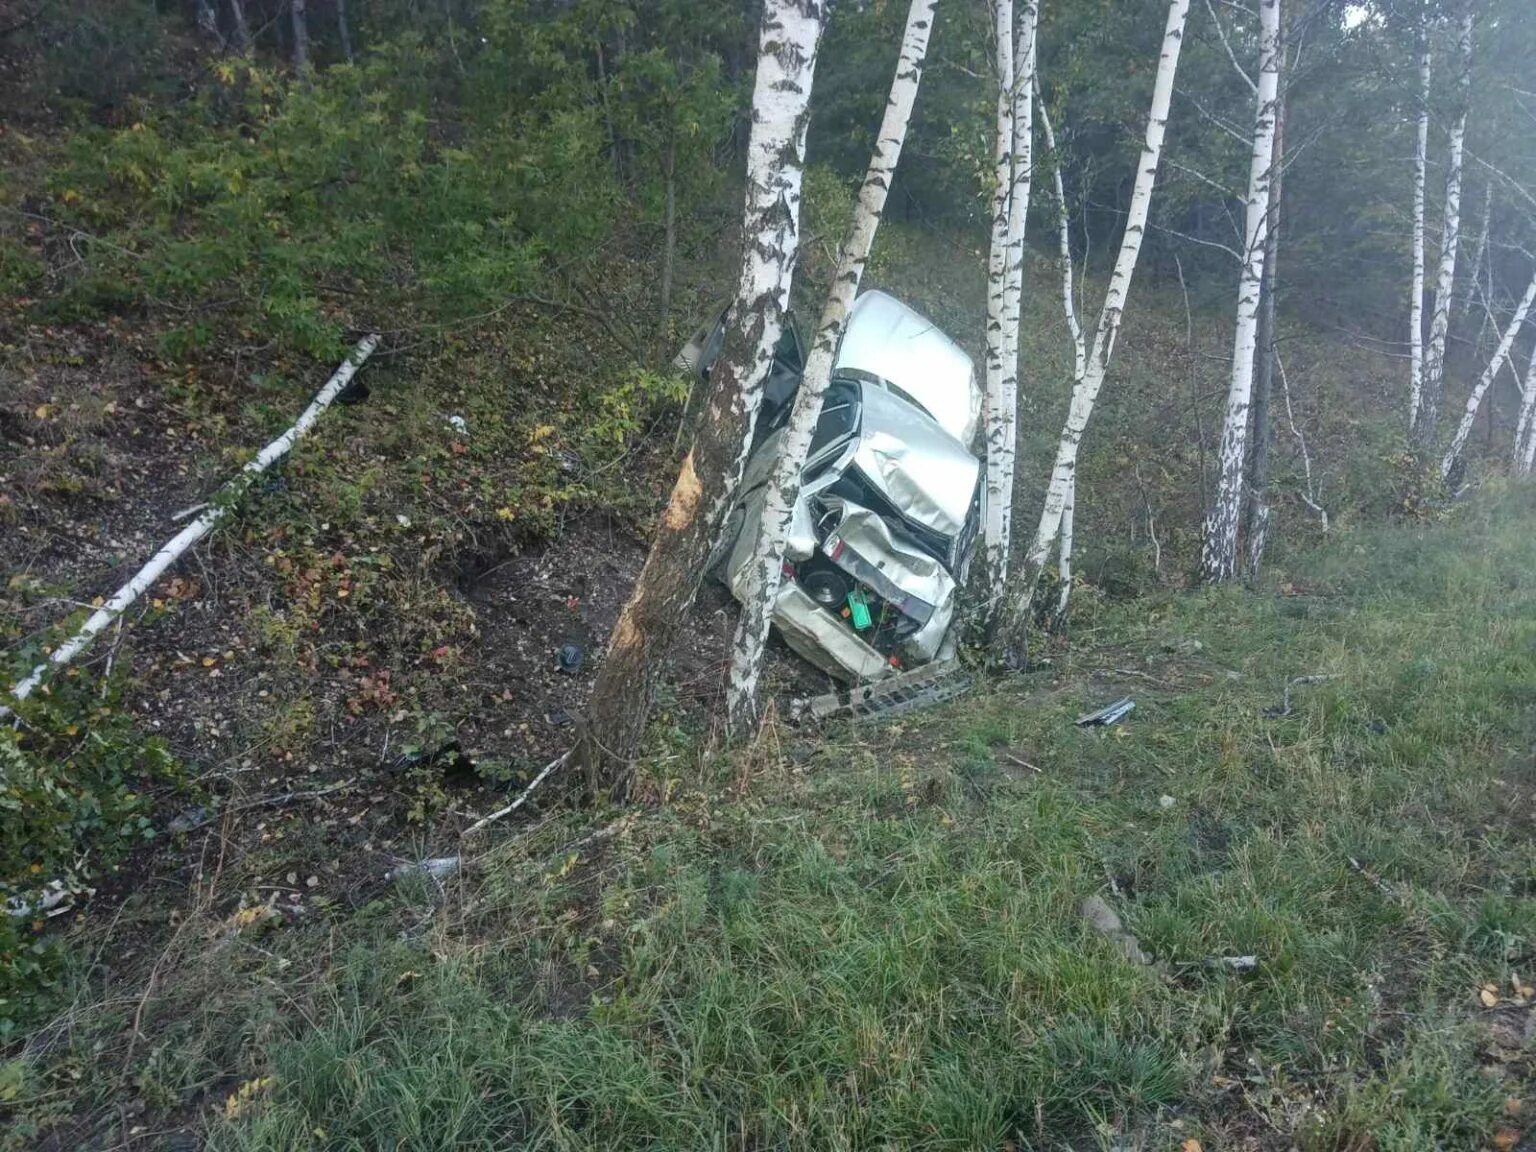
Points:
x=873 y=941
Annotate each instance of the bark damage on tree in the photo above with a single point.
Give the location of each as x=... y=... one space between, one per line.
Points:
x=686 y=533
x=764 y=570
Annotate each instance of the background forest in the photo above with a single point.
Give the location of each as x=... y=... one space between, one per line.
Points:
x=203 y=205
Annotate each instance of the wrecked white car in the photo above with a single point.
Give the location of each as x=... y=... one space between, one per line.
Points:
x=887 y=518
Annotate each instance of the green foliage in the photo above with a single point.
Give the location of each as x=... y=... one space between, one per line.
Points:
x=73 y=773
x=880 y=945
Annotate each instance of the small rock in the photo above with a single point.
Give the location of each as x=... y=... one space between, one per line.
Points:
x=1165 y=801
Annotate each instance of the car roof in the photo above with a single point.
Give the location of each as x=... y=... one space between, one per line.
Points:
x=891 y=341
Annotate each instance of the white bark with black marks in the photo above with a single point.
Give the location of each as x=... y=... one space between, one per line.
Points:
x=765 y=568
x=649 y=622
x=1022 y=585
x=999 y=421
x=1475 y=400
x=1079 y=344
x=1433 y=392
x=1219 y=555
x=1525 y=426
x=1416 y=282
x=1021 y=181
x=220 y=508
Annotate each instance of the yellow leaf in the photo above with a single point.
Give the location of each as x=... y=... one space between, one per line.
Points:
x=1190 y=1145
x=542 y=432
x=209 y=661
x=1512 y=1105
x=1488 y=997
x=42 y=411
x=1506 y=1138
x=242 y=1096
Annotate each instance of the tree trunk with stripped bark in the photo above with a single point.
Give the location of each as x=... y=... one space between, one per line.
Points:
x=649 y=622
x=765 y=568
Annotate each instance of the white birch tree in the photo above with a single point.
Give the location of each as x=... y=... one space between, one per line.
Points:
x=1475 y=400
x=1219 y=555
x=1433 y=390
x=1079 y=346
x=1525 y=426
x=765 y=568
x=1021 y=182
x=1019 y=601
x=999 y=418
x=1416 y=284
x=648 y=624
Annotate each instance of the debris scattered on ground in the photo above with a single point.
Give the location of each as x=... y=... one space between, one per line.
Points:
x=457 y=423
x=1104 y=920
x=1236 y=963
x=1285 y=704
x=569 y=658
x=437 y=868
x=1109 y=714
x=1166 y=802
x=930 y=684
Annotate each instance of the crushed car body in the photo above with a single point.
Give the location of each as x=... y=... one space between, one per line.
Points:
x=882 y=533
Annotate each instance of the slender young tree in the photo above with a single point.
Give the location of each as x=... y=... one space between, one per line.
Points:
x=1257 y=513
x=649 y=622
x=1009 y=640
x=1416 y=281
x=1525 y=426
x=765 y=568
x=1475 y=400
x=298 y=10
x=343 y=30
x=1020 y=184
x=1079 y=344
x=242 y=27
x=1219 y=557
x=999 y=416
x=1433 y=393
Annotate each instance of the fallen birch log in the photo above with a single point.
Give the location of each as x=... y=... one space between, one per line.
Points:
x=217 y=509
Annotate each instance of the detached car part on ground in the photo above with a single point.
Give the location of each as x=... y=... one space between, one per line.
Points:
x=882 y=534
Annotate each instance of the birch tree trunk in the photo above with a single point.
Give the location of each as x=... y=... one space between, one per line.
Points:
x=765 y=568
x=1079 y=346
x=297 y=9
x=1021 y=182
x=649 y=621
x=1525 y=426
x=1474 y=401
x=1256 y=510
x=1010 y=638
x=242 y=28
x=1433 y=394
x=1219 y=556
x=999 y=418
x=1416 y=285
x=343 y=30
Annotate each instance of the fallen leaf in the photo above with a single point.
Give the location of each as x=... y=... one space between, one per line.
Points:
x=241 y=1097
x=1512 y=1105
x=1190 y=1145
x=1506 y=1138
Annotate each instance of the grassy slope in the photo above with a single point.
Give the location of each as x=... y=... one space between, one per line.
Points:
x=873 y=941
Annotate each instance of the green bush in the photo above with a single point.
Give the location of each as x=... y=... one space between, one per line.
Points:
x=72 y=776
